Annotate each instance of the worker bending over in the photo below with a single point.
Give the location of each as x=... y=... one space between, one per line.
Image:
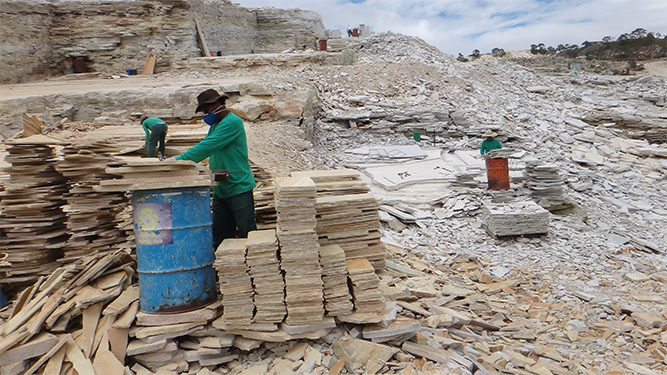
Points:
x=490 y=143
x=225 y=145
x=156 y=132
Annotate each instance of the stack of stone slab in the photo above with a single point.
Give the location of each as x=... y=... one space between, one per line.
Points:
x=299 y=250
x=365 y=286
x=92 y=216
x=515 y=218
x=235 y=282
x=267 y=278
x=335 y=181
x=353 y=222
x=355 y=225
x=32 y=220
x=337 y=299
x=545 y=183
x=265 y=206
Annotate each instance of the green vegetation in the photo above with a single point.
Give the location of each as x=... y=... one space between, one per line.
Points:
x=637 y=45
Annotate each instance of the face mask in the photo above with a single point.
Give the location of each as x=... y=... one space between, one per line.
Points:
x=212 y=118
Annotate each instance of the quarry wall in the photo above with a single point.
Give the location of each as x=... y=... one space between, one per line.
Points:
x=52 y=37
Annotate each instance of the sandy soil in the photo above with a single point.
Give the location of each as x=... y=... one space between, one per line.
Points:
x=656 y=67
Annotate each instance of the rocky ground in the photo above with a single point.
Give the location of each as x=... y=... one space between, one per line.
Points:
x=591 y=126
x=602 y=259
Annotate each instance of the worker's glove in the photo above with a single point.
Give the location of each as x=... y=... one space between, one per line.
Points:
x=173 y=158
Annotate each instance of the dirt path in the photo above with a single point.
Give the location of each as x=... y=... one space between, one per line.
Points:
x=53 y=87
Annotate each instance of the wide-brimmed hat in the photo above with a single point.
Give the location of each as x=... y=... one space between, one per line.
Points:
x=207 y=97
x=489 y=133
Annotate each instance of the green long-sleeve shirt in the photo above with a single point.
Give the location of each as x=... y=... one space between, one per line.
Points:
x=226 y=147
x=148 y=126
x=487 y=145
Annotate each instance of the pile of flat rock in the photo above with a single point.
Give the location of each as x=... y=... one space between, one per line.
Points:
x=545 y=183
x=353 y=222
x=365 y=286
x=299 y=250
x=515 y=218
x=337 y=299
x=32 y=220
x=92 y=216
x=267 y=279
x=235 y=282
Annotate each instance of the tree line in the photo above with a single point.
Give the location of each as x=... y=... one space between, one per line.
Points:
x=625 y=42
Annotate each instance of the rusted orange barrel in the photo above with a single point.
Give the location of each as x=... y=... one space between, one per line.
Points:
x=498 y=174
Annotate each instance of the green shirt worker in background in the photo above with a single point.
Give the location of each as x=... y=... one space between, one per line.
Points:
x=156 y=132
x=225 y=145
x=490 y=143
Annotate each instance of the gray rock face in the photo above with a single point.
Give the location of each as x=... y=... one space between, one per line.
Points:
x=227 y=28
x=280 y=29
x=24 y=51
x=112 y=36
x=109 y=36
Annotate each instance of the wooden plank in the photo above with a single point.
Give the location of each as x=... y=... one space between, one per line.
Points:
x=202 y=42
x=149 y=67
x=81 y=364
x=91 y=317
x=51 y=353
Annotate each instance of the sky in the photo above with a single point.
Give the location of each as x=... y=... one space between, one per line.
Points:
x=464 y=25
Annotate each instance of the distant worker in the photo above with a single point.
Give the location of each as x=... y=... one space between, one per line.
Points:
x=156 y=133
x=226 y=147
x=490 y=143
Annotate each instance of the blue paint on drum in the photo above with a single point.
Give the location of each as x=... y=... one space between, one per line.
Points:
x=175 y=252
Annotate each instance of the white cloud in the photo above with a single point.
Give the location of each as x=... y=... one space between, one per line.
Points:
x=460 y=26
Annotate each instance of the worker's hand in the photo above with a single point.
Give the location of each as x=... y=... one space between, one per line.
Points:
x=173 y=158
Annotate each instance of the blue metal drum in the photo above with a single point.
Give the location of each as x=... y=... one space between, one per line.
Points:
x=175 y=252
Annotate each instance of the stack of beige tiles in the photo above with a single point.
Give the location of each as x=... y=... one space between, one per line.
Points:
x=352 y=221
x=299 y=250
x=365 y=286
x=337 y=299
x=267 y=278
x=235 y=283
x=347 y=214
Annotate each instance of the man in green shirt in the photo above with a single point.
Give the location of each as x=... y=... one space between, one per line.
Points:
x=490 y=143
x=226 y=147
x=156 y=132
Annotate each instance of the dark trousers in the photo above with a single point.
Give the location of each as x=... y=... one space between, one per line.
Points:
x=233 y=217
x=158 y=134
